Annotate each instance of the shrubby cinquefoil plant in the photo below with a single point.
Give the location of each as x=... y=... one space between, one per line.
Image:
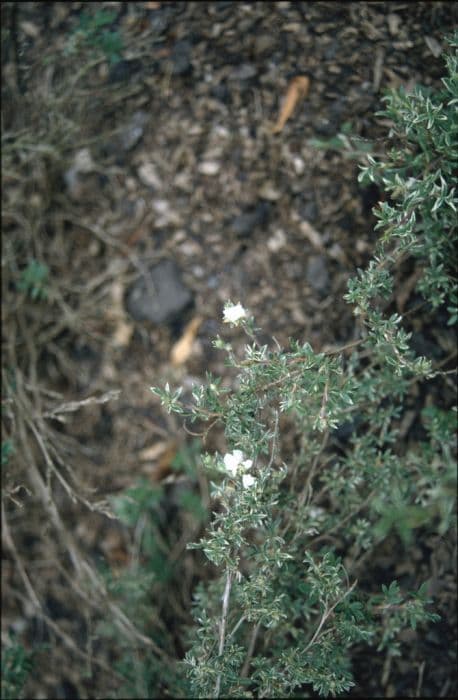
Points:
x=291 y=528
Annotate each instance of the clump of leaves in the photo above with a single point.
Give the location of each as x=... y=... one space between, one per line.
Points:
x=7 y=451
x=34 y=280
x=93 y=32
x=419 y=175
x=16 y=666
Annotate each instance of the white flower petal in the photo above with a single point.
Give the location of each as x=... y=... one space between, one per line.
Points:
x=233 y=313
x=248 y=481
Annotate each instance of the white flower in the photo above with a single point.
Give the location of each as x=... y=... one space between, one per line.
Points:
x=248 y=481
x=235 y=462
x=233 y=313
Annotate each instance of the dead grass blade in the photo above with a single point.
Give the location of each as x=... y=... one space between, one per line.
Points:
x=297 y=90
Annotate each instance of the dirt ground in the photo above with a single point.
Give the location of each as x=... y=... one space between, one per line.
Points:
x=113 y=167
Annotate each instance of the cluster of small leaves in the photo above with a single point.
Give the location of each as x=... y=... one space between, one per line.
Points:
x=398 y=612
x=351 y=145
x=16 y=666
x=284 y=613
x=7 y=451
x=34 y=280
x=435 y=460
x=420 y=178
x=93 y=32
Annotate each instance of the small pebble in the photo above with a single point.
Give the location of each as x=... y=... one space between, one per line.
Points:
x=209 y=167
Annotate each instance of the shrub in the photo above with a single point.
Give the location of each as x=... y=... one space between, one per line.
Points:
x=16 y=666
x=293 y=526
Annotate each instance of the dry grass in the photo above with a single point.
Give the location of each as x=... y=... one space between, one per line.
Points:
x=45 y=486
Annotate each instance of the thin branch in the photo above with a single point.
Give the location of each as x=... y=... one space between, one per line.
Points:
x=327 y=613
x=71 y=406
x=242 y=619
x=254 y=636
x=6 y=534
x=222 y=626
x=274 y=442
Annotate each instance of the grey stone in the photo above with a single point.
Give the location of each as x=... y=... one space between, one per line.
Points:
x=181 y=58
x=124 y=70
x=325 y=127
x=221 y=92
x=308 y=210
x=264 y=43
x=244 y=224
x=245 y=71
x=317 y=274
x=133 y=132
x=160 y=296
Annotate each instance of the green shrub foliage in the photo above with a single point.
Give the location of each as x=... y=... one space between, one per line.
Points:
x=293 y=529
x=16 y=666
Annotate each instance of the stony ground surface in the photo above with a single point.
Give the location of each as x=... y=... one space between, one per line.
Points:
x=155 y=189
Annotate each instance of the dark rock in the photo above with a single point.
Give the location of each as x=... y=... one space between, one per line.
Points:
x=221 y=92
x=325 y=127
x=181 y=58
x=309 y=211
x=245 y=223
x=317 y=274
x=160 y=297
x=124 y=70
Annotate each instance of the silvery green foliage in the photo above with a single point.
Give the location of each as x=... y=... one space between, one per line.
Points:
x=420 y=177
x=291 y=528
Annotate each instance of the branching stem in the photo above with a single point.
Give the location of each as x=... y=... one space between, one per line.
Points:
x=327 y=613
